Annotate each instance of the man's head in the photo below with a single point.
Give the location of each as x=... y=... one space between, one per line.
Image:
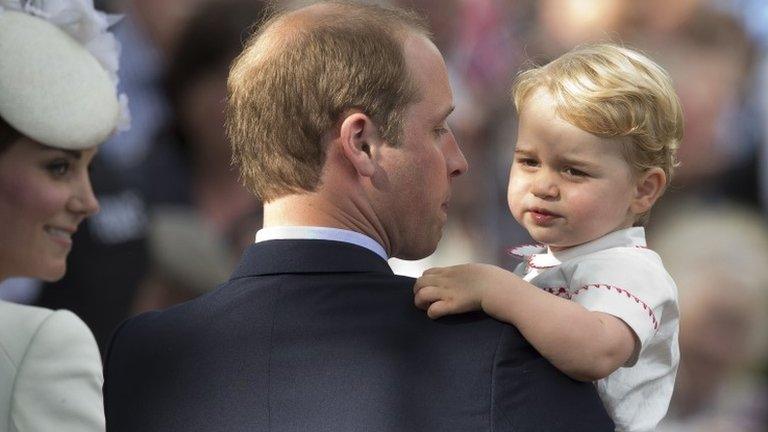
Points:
x=299 y=73
x=341 y=110
x=616 y=93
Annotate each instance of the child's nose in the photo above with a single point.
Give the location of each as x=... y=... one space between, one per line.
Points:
x=545 y=186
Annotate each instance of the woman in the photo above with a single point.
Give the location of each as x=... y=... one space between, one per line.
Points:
x=57 y=103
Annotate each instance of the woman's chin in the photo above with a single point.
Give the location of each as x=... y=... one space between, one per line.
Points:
x=53 y=272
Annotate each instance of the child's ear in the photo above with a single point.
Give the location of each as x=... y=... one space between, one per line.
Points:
x=650 y=186
x=358 y=136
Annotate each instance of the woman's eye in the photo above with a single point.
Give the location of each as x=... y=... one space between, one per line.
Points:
x=58 y=168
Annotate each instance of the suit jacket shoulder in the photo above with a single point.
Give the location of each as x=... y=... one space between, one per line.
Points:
x=321 y=336
x=50 y=371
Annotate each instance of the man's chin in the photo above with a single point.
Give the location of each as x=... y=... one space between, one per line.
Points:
x=417 y=252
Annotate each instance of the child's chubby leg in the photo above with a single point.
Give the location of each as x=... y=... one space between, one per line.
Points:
x=583 y=344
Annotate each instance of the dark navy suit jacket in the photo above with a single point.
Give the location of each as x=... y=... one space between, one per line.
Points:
x=316 y=335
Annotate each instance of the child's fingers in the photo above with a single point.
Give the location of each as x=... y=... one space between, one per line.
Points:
x=424 y=281
x=426 y=296
x=420 y=283
x=438 y=309
x=433 y=270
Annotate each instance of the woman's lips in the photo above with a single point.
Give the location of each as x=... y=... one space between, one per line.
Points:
x=60 y=235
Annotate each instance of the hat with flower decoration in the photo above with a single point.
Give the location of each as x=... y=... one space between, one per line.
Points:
x=58 y=72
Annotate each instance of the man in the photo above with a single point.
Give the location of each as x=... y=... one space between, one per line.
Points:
x=337 y=116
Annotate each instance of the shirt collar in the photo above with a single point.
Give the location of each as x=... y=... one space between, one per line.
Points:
x=542 y=257
x=320 y=233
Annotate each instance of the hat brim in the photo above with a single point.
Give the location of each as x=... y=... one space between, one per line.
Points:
x=51 y=88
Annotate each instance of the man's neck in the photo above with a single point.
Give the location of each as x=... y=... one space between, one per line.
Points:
x=314 y=211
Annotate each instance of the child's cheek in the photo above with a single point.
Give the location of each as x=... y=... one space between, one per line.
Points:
x=515 y=198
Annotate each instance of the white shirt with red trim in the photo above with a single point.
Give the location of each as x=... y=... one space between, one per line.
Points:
x=617 y=274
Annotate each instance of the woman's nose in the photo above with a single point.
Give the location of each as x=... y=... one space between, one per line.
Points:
x=84 y=201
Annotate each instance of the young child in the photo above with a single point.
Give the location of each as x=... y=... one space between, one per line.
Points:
x=595 y=149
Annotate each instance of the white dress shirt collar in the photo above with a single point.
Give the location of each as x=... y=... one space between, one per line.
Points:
x=320 y=233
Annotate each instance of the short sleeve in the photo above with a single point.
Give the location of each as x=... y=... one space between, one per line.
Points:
x=628 y=283
x=58 y=386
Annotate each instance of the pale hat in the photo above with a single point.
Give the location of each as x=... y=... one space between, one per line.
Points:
x=186 y=251
x=53 y=89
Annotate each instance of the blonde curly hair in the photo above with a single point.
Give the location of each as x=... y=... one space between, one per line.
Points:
x=613 y=92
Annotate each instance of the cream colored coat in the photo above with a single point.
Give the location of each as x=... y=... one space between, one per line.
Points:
x=50 y=372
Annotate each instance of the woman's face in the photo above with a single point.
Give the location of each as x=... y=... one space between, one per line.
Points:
x=44 y=195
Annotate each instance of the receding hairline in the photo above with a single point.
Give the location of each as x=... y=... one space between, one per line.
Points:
x=282 y=26
x=284 y=29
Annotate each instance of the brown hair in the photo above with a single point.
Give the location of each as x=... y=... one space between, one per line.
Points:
x=209 y=42
x=613 y=92
x=302 y=70
x=7 y=135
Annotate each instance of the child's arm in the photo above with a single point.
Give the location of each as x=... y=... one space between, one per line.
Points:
x=584 y=345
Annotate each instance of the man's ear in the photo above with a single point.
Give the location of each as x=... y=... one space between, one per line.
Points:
x=359 y=137
x=650 y=186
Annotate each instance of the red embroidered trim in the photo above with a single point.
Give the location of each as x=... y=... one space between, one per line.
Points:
x=563 y=292
x=530 y=265
x=560 y=292
x=528 y=258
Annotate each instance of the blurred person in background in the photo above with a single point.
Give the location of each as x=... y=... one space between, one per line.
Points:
x=754 y=15
x=58 y=103
x=710 y=50
x=564 y=24
x=186 y=259
x=718 y=256
x=207 y=188
x=196 y=88
x=148 y=34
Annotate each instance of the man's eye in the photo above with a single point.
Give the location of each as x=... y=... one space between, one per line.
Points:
x=530 y=162
x=440 y=131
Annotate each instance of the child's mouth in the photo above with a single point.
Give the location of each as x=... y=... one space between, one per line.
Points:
x=543 y=217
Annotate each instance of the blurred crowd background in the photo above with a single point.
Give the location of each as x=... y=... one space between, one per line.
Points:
x=174 y=218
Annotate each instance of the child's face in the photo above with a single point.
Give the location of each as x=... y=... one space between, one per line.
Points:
x=567 y=186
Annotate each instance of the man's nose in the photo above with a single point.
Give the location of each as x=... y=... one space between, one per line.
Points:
x=455 y=160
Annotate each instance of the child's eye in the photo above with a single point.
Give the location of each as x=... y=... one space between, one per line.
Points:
x=58 y=168
x=574 y=172
x=529 y=162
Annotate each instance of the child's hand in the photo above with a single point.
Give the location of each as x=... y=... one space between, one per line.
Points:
x=453 y=290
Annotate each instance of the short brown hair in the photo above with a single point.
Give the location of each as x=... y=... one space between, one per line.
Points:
x=7 y=135
x=298 y=73
x=613 y=92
